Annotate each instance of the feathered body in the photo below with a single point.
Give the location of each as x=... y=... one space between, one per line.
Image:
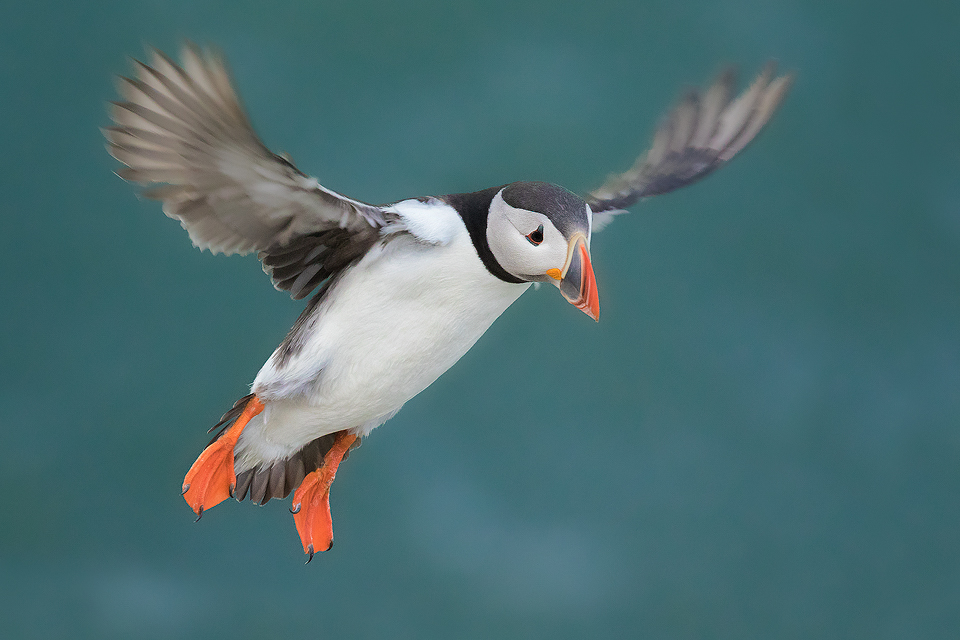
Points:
x=384 y=331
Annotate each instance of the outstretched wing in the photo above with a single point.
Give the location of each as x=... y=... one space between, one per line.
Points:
x=183 y=130
x=699 y=135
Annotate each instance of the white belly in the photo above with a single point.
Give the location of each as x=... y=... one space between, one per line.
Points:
x=390 y=327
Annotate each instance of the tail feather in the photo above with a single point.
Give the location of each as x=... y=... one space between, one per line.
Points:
x=229 y=418
x=277 y=479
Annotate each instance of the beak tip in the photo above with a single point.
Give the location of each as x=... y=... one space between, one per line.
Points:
x=592 y=310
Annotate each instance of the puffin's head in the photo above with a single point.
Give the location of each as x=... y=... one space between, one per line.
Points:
x=540 y=232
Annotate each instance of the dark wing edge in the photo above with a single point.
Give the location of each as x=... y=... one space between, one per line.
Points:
x=181 y=131
x=698 y=136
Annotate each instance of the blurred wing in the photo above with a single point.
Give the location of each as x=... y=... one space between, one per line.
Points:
x=183 y=128
x=699 y=135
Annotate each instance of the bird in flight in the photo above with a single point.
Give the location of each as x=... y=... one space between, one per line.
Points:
x=400 y=291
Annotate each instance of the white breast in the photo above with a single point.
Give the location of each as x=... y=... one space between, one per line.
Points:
x=392 y=324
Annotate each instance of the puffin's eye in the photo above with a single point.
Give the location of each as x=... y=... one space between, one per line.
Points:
x=536 y=237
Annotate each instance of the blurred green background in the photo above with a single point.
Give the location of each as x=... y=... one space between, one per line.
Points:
x=765 y=434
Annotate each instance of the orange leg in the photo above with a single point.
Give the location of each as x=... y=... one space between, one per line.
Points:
x=211 y=479
x=311 y=501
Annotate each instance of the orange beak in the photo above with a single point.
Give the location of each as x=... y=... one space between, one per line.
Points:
x=577 y=283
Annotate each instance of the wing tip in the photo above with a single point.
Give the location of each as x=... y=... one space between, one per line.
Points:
x=721 y=125
x=770 y=91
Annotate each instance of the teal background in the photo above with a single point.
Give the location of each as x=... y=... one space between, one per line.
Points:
x=760 y=439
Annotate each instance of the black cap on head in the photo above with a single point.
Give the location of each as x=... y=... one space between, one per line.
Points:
x=566 y=210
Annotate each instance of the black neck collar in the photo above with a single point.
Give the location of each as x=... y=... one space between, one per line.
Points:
x=474 y=209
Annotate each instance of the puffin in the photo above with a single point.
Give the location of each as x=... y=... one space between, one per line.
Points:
x=398 y=292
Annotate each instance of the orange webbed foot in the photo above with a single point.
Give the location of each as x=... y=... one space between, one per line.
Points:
x=211 y=479
x=311 y=513
x=311 y=501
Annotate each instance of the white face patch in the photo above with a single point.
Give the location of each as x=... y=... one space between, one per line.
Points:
x=507 y=231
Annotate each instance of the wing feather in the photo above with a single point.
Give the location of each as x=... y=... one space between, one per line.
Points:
x=696 y=138
x=182 y=132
